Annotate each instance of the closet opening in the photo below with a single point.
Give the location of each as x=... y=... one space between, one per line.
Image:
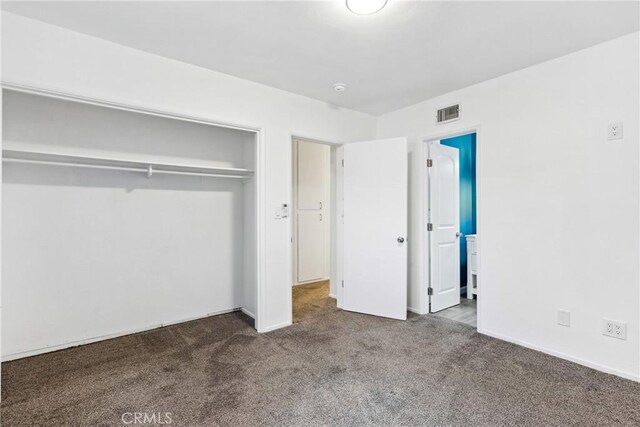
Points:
x=118 y=219
x=313 y=211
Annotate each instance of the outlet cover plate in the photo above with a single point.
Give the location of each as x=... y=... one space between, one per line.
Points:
x=614 y=131
x=615 y=329
x=564 y=318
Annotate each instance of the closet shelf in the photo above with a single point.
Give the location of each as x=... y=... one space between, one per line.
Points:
x=114 y=163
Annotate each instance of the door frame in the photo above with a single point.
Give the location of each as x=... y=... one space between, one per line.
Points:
x=335 y=208
x=437 y=136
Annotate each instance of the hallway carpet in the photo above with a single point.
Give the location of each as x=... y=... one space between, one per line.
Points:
x=332 y=368
x=311 y=300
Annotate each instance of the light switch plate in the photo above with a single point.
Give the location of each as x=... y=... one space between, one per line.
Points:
x=564 y=318
x=614 y=131
x=282 y=211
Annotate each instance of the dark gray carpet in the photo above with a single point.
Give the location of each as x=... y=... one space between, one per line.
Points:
x=331 y=368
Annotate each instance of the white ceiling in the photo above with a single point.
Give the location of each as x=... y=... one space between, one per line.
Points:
x=409 y=52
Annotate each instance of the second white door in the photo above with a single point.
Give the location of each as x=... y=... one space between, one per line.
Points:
x=375 y=227
x=444 y=220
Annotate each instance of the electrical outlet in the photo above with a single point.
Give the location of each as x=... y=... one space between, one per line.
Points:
x=614 y=131
x=564 y=318
x=614 y=329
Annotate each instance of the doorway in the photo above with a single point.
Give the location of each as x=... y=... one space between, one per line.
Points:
x=460 y=303
x=362 y=255
x=311 y=234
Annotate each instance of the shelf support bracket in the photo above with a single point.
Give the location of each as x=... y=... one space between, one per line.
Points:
x=149 y=171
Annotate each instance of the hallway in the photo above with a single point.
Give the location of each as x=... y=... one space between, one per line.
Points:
x=312 y=300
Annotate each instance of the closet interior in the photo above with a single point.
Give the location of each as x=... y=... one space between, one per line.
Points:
x=117 y=221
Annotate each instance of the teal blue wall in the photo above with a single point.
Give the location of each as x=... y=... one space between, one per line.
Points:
x=466 y=144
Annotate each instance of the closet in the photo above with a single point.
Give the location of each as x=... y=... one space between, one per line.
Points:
x=117 y=221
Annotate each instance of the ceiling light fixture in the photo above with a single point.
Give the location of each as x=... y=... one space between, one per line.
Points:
x=365 y=7
x=339 y=87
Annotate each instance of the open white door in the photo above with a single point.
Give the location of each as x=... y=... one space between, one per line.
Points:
x=375 y=227
x=444 y=217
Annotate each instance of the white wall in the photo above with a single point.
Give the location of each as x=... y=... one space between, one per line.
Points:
x=43 y=55
x=558 y=203
x=98 y=253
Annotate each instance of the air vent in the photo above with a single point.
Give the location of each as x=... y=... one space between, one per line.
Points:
x=448 y=114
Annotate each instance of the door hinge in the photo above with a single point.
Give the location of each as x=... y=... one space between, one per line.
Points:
x=430 y=291
x=343 y=283
x=429 y=226
x=342 y=162
x=429 y=163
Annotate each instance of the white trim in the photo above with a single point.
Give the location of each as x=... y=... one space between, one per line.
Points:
x=261 y=227
x=248 y=313
x=77 y=343
x=260 y=170
x=334 y=296
x=583 y=362
x=464 y=130
x=339 y=228
x=309 y=282
x=416 y=311
x=278 y=326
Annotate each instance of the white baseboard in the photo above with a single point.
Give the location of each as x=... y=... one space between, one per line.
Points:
x=415 y=310
x=587 y=363
x=308 y=282
x=278 y=326
x=248 y=313
x=77 y=343
x=333 y=296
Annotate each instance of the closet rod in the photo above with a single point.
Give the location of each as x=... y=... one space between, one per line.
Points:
x=122 y=168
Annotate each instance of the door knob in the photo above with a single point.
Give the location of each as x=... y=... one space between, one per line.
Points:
x=458 y=234
x=400 y=239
